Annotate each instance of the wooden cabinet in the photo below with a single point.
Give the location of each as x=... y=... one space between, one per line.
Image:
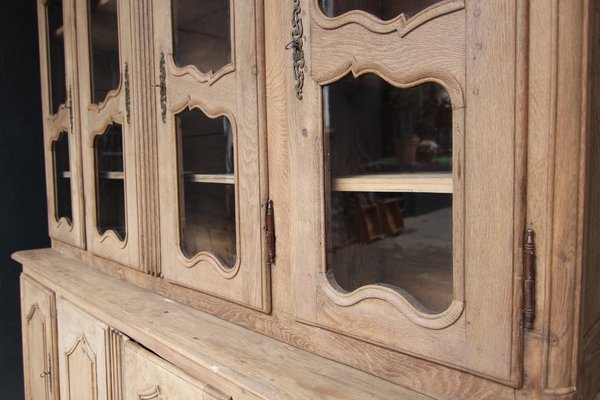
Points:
x=405 y=188
x=62 y=135
x=39 y=341
x=211 y=136
x=374 y=87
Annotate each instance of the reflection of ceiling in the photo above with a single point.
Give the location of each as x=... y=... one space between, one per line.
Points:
x=383 y=9
x=209 y=17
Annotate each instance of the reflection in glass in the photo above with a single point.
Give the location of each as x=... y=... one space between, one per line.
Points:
x=382 y=9
x=207 y=186
x=110 y=182
x=380 y=138
x=56 y=54
x=104 y=48
x=202 y=34
x=62 y=178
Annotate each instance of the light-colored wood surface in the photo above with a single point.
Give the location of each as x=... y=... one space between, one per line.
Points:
x=236 y=92
x=146 y=375
x=65 y=120
x=403 y=369
x=198 y=343
x=425 y=183
x=39 y=341
x=95 y=119
x=84 y=371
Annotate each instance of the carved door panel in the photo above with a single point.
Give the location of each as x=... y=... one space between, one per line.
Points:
x=146 y=376
x=39 y=341
x=61 y=120
x=84 y=363
x=108 y=131
x=403 y=124
x=209 y=94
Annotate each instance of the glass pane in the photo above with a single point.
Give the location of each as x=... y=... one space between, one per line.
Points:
x=104 y=44
x=385 y=142
x=202 y=34
x=56 y=54
x=62 y=177
x=110 y=181
x=207 y=213
x=382 y=9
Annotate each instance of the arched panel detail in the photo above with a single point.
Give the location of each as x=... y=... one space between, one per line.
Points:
x=81 y=371
x=401 y=23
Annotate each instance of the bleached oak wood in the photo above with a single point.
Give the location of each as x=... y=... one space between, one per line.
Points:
x=201 y=345
x=147 y=376
x=521 y=78
x=95 y=119
x=236 y=92
x=39 y=341
x=84 y=371
x=425 y=183
x=65 y=120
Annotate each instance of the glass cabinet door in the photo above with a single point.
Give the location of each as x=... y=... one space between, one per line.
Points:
x=109 y=161
x=61 y=133
x=211 y=147
x=405 y=137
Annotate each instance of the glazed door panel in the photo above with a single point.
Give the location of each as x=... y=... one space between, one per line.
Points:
x=108 y=142
x=209 y=100
x=403 y=137
x=39 y=341
x=62 y=137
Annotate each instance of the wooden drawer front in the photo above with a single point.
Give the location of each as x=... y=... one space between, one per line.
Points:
x=147 y=376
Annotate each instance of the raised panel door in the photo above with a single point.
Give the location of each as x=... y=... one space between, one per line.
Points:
x=39 y=341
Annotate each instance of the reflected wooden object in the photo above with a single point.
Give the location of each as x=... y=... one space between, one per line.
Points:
x=417 y=182
x=226 y=179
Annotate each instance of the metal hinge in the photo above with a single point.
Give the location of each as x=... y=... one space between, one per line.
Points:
x=270 y=232
x=529 y=279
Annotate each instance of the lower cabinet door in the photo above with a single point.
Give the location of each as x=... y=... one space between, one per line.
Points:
x=83 y=364
x=147 y=376
x=39 y=349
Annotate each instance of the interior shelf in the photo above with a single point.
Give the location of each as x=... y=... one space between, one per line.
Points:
x=116 y=175
x=429 y=182
x=65 y=174
x=227 y=179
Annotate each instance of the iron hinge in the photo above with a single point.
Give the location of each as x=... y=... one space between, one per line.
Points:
x=270 y=232
x=529 y=279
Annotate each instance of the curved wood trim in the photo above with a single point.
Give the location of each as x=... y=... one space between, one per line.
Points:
x=400 y=299
x=152 y=393
x=400 y=80
x=376 y=25
x=209 y=77
x=113 y=94
x=205 y=256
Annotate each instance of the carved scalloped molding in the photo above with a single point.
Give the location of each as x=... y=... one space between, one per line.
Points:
x=401 y=79
x=400 y=299
x=113 y=94
x=400 y=23
x=209 y=77
x=212 y=112
x=150 y=394
x=59 y=122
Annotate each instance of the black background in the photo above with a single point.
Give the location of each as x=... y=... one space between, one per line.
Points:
x=23 y=223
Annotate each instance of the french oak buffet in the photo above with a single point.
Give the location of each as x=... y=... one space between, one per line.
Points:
x=317 y=199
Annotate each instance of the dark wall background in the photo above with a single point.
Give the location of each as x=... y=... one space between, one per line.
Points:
x=23 y=222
